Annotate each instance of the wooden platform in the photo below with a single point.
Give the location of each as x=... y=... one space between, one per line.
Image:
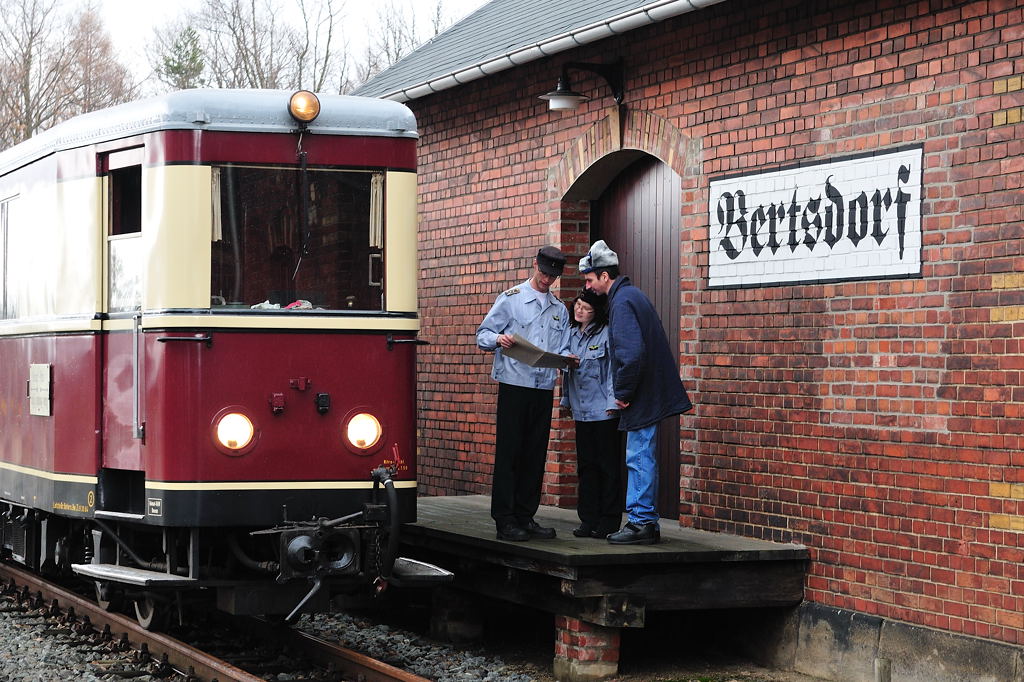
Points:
x=595 y=581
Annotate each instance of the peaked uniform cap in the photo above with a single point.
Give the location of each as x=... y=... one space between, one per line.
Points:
x=551 y=261
x=600 y=256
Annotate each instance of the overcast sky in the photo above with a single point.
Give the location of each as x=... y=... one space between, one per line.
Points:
x=131 y=22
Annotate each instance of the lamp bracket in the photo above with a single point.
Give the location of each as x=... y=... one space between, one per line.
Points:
x=611 y=72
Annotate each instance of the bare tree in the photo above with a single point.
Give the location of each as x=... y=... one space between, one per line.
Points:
x=33 y=91
x=320 y=65
x=53 y=66
x=95 y=77
x=246 y=44
x=396 y=34
x=251 y=44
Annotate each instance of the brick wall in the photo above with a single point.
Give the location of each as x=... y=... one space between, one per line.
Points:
x=878 y=421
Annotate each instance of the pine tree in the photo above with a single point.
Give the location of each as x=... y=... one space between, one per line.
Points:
x=184 y=65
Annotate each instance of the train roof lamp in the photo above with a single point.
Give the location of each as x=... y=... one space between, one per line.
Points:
x=564 y=98
x=304 y=107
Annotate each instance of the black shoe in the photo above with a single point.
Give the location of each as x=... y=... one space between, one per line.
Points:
x=633 y=534
x=536 y=531
x=584 y=530
x=512 y=533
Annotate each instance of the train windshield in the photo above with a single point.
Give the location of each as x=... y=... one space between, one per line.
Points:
x=284 y=242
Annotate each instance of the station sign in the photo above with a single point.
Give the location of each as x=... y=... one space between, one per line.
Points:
x=857 y=217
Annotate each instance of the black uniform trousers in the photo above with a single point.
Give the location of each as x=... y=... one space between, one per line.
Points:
x=599 y=460
x=521 y=448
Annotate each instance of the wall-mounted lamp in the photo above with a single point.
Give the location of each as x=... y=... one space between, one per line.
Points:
x=564 y=98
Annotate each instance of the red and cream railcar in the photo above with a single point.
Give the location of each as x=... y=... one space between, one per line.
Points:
x=207 y=346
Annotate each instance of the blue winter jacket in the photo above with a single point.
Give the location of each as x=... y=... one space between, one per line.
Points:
x=644 y=370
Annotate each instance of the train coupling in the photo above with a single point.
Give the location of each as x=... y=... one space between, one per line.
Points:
x=324 y=552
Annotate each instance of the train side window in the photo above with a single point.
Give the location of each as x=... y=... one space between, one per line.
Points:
x=5 y=311
x=15 y=257
x=126 y=200
x=124 y=244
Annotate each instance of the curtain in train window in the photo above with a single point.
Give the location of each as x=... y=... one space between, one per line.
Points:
x=284 y=242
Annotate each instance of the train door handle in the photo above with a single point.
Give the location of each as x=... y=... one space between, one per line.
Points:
x=198 y=338
x=392 y=341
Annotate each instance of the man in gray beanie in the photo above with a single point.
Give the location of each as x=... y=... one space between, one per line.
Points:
x=645 y=380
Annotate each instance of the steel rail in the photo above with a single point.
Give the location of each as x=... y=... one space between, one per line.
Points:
x=328 y=653
x=182 y=657
x=202 y=666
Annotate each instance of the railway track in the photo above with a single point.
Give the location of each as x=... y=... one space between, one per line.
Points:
x=242 y=651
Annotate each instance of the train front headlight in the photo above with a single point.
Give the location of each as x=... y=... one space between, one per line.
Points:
x=234 y=431
x=363 y=431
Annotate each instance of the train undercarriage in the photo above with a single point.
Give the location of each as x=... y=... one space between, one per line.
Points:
x=157 y=572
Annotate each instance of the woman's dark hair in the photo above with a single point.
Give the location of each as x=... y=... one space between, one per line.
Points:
x=599 y=302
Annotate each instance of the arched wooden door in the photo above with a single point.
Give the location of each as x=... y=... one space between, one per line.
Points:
x=638 y=216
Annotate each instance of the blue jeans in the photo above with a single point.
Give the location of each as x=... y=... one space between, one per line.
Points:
x=642 y=467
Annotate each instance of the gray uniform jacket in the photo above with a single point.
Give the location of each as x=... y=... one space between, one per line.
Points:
x=587 y=390
x=541 y=319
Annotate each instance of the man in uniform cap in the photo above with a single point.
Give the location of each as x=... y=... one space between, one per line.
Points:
x=525 y=394
x=645 y=380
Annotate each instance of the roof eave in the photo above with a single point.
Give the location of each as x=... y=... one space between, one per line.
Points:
x=606 y=28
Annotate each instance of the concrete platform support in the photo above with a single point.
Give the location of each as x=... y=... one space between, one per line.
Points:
x=455 y=616
x=583 y=651
x=847 y=646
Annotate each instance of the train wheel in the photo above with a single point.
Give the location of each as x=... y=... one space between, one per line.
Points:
x=149 y=613
x=107 y=597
